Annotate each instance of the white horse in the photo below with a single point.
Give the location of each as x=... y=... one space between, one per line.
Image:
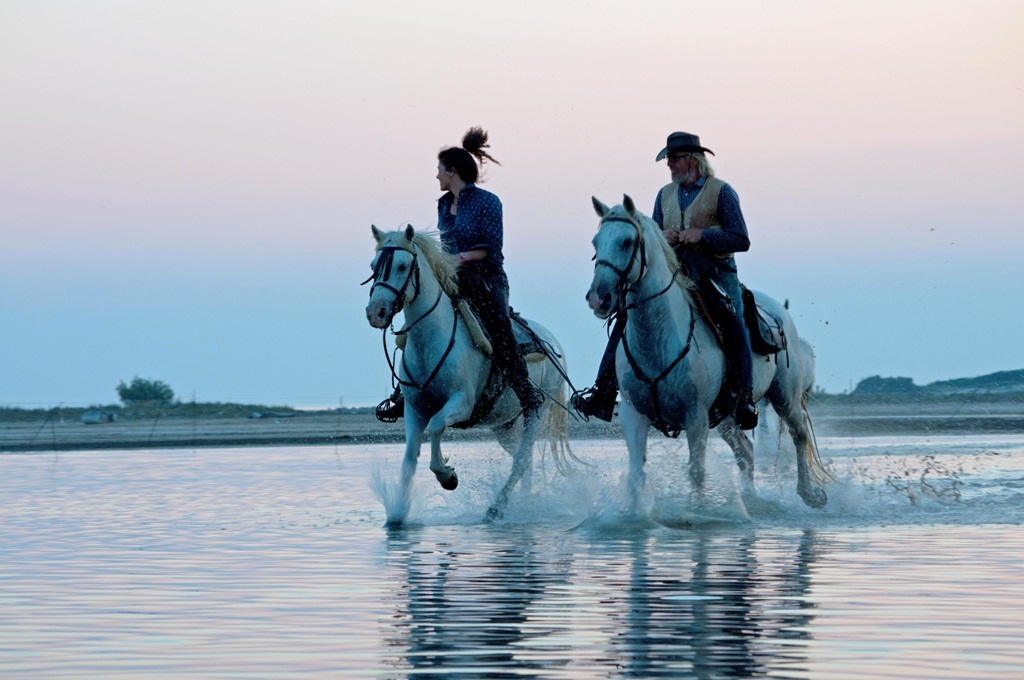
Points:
x=444 y=374
x=669 y=363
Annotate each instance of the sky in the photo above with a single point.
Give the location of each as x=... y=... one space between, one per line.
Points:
x=187 y=188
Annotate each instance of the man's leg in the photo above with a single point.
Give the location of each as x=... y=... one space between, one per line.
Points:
x=737 y=346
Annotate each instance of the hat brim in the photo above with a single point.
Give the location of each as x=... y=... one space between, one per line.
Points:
x=685 y=149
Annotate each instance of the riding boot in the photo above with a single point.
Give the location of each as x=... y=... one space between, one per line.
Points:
x=746 y=409
x=739 y=362
x=392 y=408
x=599 y=401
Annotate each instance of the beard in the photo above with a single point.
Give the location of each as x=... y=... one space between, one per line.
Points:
x=685 y=177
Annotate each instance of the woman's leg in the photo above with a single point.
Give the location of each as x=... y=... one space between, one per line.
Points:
x=489 y=296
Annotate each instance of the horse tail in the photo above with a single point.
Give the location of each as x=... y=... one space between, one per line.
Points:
x=556 y=432
x=815 y=468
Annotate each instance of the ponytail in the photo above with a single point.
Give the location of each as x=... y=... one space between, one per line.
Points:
x=464 y=159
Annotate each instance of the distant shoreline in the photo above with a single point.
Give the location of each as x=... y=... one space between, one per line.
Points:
x=325 y=428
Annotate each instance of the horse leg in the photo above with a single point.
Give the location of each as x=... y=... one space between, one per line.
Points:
x=812 y=494
x=697 y=441
x=742 y=448
x=457 y=409
x=413 y=440
x=635 y=427
x=522 y=460
x=509 y=436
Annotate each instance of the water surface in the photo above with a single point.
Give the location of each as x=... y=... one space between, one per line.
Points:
x=272 y=562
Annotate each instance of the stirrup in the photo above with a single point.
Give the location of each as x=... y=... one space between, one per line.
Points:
x=389 y=411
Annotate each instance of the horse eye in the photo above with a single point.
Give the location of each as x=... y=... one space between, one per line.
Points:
x=402 y=267
x=627 y=244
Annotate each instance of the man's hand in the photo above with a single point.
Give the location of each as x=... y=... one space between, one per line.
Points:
x=690 y=236
x=671 y=235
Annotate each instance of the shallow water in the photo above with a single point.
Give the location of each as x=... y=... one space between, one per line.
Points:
x=272 y=562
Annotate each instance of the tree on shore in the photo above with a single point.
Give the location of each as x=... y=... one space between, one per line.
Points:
x=876 y=384
x=140 y=390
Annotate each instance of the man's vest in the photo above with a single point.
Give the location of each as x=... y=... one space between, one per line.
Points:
x=702 y=213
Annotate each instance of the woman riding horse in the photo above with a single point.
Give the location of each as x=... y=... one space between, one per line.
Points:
x=470 y=221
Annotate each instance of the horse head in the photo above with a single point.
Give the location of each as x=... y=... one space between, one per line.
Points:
x=395 y=275
x=620 y=256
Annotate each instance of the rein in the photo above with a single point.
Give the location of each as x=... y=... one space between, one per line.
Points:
x=670 y=430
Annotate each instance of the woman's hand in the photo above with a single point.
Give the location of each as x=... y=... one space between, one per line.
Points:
x=469 y=256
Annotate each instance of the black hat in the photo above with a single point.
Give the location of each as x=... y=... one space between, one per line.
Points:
x=682 y=141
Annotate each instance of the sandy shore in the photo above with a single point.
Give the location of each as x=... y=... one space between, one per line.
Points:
x=326 y=428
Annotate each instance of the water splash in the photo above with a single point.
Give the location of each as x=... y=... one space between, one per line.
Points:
x=399 y=508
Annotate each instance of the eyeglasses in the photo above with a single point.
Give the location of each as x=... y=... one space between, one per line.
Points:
x=676 y=157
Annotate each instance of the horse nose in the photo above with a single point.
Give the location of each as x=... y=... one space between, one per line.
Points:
x=375 y=315
x=598 y=301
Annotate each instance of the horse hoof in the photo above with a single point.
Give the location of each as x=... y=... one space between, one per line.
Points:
x=451 y=483
x=814 y=497
x=493 y=514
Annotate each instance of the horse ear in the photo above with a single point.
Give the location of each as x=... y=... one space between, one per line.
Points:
x=627 y=203
x=409 y=232
x=600 y=208
x=377 y=233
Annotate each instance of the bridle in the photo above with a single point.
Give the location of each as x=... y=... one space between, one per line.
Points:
x=624 y=285
x=382 y=272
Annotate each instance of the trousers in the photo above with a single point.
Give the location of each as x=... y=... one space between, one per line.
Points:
x=485 y=287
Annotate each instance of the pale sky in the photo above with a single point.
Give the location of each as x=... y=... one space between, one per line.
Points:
x=187 y=188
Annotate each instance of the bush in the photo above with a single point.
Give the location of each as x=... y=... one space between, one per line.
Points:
x=141 y=390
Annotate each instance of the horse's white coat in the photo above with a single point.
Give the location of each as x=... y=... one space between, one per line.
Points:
x=461 y=375
x=657 y=332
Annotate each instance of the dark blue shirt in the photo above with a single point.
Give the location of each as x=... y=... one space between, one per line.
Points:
x=733 y=236
x=478 y=223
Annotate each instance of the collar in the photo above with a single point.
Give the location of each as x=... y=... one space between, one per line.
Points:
x=449 y=196
x=701 y=181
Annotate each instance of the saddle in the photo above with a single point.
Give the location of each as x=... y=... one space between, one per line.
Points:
x=767 y=335
x=767 y=338
x=530 y=346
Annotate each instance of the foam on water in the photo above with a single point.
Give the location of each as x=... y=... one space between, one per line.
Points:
x=906 y=480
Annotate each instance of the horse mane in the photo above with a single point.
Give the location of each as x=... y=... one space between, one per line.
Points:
x=649 y=229
x=428 y=243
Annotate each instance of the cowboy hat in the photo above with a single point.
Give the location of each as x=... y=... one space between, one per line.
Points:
x=682 y=142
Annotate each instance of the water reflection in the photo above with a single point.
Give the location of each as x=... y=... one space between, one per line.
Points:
x=472 y=610
x=713 y=612
x=700 y=604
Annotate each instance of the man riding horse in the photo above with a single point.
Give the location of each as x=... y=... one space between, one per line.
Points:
x=700 y=217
